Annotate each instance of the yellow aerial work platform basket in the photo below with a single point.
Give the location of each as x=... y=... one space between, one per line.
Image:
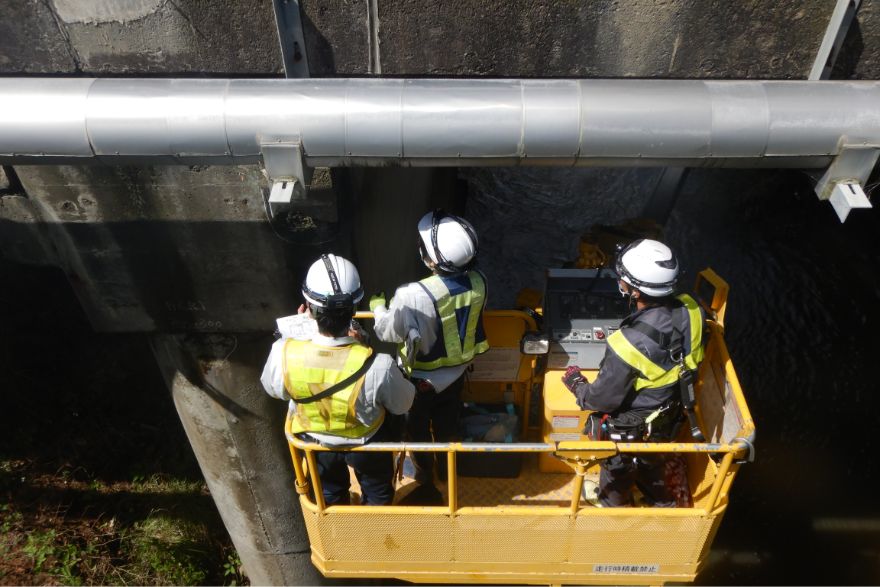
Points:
x=538 y=528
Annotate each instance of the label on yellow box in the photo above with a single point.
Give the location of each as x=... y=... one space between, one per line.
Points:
x=565 y=422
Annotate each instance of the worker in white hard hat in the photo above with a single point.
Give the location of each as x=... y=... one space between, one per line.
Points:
x=340 y=390
x=439 y=323
x=638 y=394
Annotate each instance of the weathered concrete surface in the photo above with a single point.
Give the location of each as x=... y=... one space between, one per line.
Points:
x=547 y=38
x=544 y=38
x=97 y=11
x=337 y=36
x=175 y=249
x=23 y=236
x=236 y=432
x=226 y=37
x=637 y=38
x=31 y=39
x=390 y=204
x=860 y=55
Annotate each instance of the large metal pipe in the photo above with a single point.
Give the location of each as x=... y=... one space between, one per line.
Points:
x=435 y=122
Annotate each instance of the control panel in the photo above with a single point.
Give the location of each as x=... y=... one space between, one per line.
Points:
x=582 y=307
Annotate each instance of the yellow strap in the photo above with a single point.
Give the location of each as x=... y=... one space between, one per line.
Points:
x=696 y=319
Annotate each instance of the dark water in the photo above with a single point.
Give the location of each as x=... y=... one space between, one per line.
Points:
x=803 y=325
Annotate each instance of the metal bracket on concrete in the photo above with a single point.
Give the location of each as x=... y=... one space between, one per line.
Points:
x=290 y=177
x=835 y=34
x=290 y=35
x=842 y=182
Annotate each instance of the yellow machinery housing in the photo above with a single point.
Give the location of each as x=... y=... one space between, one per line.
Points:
x=537 y=528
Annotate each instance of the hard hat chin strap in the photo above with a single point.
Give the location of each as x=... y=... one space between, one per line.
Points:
x=331 y=273
x=442 y=262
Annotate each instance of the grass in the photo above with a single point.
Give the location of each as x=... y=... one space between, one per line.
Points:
x=96 y=533
x=98 y=483
x=169 y=551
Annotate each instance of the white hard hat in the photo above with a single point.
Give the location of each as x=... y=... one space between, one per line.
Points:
x=448 y=240
x=333 y=282
x=649 y=266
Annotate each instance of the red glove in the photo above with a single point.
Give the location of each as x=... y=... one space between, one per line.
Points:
x=573 y=378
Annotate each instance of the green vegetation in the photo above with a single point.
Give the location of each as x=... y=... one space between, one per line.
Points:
x=168 y=550
x=232 y=570
x=98 y=483
x=70 y=542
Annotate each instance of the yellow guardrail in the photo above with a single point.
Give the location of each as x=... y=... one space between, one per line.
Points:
x=573 y=543
x=564 y=540
x=580 y=454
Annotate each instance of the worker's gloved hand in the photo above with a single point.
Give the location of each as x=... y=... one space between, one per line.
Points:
x=377 y=300
x=573 y=378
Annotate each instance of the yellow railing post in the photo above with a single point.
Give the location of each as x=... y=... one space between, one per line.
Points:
x=452 y=478
x=302 y=484
x=580 y=472
x=316 y=480
x=719 y=480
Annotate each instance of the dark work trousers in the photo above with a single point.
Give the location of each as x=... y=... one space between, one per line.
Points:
x=373 y=470
x=438 y=413
x=620 y=473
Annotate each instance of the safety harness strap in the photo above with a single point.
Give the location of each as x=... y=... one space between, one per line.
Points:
x=675 y=345
x=662 y=339
x=654 y=376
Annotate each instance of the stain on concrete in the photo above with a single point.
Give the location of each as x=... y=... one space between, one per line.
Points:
x=160 y=248
x=96 y=11
x=109 y=37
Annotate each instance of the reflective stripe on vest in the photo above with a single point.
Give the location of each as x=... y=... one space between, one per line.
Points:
x=456 y=350
x=651 y=375
x=308 y=370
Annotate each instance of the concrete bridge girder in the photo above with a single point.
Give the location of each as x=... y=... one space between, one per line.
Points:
x=238 y=438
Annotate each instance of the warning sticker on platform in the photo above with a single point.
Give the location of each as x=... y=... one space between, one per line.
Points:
x=496 y=364
x=565 y=422
x=627 y=569
x=560 y=436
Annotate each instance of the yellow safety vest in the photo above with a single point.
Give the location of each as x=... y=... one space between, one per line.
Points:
x=308 y=370
x=452 y=348
x=651 y=375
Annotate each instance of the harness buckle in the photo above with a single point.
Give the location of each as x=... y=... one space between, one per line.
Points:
x=676 y=353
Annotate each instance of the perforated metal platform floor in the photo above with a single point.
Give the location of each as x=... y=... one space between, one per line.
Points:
x=530 y=488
